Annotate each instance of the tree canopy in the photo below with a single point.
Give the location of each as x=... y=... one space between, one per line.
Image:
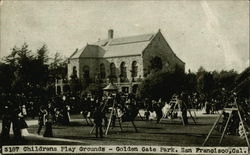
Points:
x=26 y=72
x=162 y=84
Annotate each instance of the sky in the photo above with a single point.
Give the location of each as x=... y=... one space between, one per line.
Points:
x=213 y=34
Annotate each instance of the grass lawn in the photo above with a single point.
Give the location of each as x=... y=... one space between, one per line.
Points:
x=168 y=132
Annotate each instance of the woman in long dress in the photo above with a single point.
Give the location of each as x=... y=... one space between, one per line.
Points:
x=48 y=122
x=23 y=124
x=41 y=119
x=23 y=127
x=48 y=125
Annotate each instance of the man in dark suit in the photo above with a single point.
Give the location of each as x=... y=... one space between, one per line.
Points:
x=98 y=116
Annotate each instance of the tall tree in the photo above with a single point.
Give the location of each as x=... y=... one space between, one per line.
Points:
x=205 y=82
x=21 y=59
x=42 y=54
x=40 y=67
x=243 y=84
x=6 y=77
x=57 y=68
x=161 y=84
x=190 y=83
x=225 y=79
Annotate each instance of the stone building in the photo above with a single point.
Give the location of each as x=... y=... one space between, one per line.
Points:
x=124 y=61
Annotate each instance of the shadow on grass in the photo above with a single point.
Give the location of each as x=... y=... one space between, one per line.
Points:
x=185 y=134
x=139 y=139
x=80 y=124
x=34 y=141
x=190 y=123
x=81 y=137
x=109 y=137
x=140 y=127
x=72 y=124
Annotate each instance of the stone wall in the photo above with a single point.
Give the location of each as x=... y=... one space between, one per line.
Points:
x=128 y=64
x=160 y=48
x=92 y=63
x=94 y=66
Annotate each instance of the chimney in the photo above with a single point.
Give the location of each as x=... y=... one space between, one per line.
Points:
x=110 y=34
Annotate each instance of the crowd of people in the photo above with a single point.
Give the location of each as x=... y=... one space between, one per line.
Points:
x=57 y=109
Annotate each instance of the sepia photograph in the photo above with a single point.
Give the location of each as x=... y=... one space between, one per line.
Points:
x=130 y=77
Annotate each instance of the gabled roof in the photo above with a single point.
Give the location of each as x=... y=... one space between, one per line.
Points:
x=131 y=39
x=77 y=53
x=90 y=51
x=125 y=49
x=125 y=46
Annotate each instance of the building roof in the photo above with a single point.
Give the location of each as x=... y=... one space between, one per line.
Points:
x=125 y=46
x=131 y=39
x=126 y=49
x=76 y=54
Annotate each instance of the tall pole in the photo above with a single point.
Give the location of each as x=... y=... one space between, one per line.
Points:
x=110 y=118
x=244 y=130
x=210 y=132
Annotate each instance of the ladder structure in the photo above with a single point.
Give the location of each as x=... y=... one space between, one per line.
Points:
x=234 y=108
x=177 y=108
x=114 y=111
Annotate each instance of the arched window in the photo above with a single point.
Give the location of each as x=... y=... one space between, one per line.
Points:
x=134 y=70
x=134 y=88
x=156 y=63
x=85 y=71
x=123 y=70
x=102 y=71
x=112 y=75
x=112 y=70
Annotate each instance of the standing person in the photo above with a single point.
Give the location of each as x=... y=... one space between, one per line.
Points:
x=207 y=107
x=10 y=115
x=31 y=109
x=147 y=113
x=68 y=110
x=48 y=124
x=65 y=118
x=104 y=109
x=41 y=119
x=98 y=116
x=183 y=108
x=65 y=115
x=158 y=111
x=24 y=110
x=6 y=122
x=15 y=113
x=113 y=119
x=212 y=106
x=23 y=124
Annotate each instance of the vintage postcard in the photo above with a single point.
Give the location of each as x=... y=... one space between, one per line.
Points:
x=140 y=77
